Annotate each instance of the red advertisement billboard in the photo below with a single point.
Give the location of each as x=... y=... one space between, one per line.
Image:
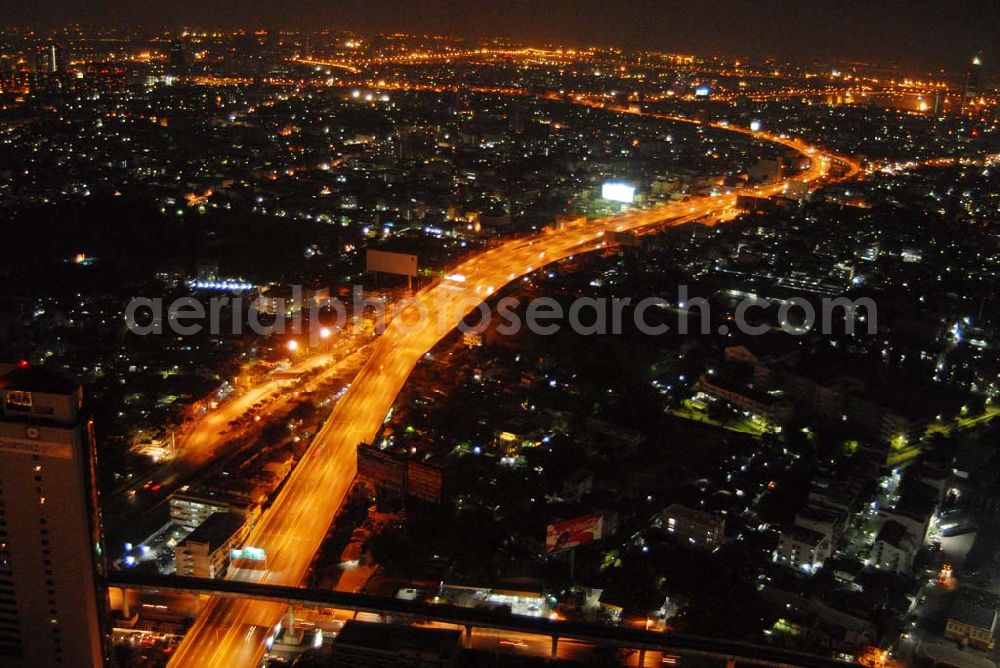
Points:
x=567 y=534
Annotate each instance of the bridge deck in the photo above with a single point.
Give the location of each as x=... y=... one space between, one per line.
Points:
x=749 y=653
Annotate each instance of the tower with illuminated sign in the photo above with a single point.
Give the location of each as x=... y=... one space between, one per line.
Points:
x=51 y=604
x=973 y=82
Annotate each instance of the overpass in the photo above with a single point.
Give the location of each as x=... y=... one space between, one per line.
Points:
x=392 y=610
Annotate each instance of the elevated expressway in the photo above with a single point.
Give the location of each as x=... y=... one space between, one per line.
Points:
x=231 y=632
x=544 y=634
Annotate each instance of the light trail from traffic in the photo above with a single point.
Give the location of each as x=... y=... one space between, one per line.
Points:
x=231 y=632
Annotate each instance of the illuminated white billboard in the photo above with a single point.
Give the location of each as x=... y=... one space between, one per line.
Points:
x=618 y=192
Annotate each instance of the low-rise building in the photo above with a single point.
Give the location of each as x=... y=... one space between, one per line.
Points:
x=916 y=520
x=894 y=549
x=826 y=521
x=896 y=424
x=814 y=619
x=191 y=508
x=802 y=548
x=971 y=621
x=205 y=553
x=837 y=495
x=695 y=527
x=274 y=472
x=745 y=397
x=288 y=300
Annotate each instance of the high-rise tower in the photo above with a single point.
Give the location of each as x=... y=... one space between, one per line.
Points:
x=51 y=604
x=973 y=83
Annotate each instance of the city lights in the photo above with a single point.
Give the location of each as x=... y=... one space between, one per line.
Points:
x=552 y=345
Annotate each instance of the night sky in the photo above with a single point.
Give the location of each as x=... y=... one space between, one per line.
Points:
x=921 y=35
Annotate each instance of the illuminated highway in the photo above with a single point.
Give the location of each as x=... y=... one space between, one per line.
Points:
x=211 y=431
x=233 y=632
x=211 y=439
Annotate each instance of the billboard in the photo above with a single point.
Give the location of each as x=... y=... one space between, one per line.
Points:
x=618 y=192
x=252 y=558
x=404 y=264
x=423 y=481
x=384 y=469
x=567 y=534
x=395 y=474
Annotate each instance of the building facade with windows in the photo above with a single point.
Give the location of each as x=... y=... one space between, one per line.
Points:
x=206 y=552
x=695 y=527
x=53 y=606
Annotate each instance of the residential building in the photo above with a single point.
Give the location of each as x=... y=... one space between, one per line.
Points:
x=894 y=548
x=287 y=300
x=916 y=520
x=695 y=527
x=971 y=621
x=745 y=397
x=802 y=548
x=824 y=521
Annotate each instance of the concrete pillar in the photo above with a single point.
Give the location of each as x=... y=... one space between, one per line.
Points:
x=555 y=648
x=642 y=656
x=291 y=617
x=468 y=636
x=126 y=607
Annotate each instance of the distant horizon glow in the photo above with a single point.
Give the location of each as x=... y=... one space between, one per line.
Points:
x=890 y=33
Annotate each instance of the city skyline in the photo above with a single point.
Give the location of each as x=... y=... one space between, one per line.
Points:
x=919 y=37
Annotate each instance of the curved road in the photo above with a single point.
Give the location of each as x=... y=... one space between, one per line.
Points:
x=229 y=633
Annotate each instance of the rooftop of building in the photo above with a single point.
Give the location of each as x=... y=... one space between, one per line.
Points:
x=735 y=387
x=679 y=511
x=817 y=514
x=216 y=530
x=967 y=610
x=32 y=378
x=803 y=535
x=211 y=495
x=893 y=533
